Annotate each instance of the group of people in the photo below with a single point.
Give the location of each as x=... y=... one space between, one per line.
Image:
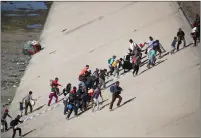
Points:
x=90 y=85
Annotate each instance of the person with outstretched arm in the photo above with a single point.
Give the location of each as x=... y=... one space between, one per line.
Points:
x=27 y=100
x=116 y=91
x=14 y=124
x=3 y=119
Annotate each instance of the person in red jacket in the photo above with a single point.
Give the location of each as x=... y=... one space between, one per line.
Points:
x=53 y=94
x=56 y=84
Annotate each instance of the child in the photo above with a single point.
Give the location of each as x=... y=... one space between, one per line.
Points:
x=21 y=108
x=173 y=45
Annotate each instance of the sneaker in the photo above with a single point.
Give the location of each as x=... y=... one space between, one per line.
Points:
x=110 y=109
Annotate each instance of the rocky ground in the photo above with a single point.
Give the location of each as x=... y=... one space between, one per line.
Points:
x=13 y=62
x=14 y=35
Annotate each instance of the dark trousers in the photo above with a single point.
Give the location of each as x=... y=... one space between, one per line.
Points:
x=195 y=38
x=135 y=69
x=27 y=103
x=179 y=42
x=114 y=97
x=71 y=110
x=14 y=131
x=5 y=124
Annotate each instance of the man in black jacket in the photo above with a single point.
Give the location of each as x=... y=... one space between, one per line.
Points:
x=116 y=94
x=14 y=124
x=181 y=37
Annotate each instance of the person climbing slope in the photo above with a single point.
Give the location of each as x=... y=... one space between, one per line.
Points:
x=3 y=119
x=27 y=99
x=110 y=62
x=14 y=125
x=56 y=84
x=53 y=94
x=136 y=64
x=116 y=91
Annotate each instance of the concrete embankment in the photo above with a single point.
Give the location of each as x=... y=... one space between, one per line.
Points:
x=162 y=101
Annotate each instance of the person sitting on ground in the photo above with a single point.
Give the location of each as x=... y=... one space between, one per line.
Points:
x=27 y=99
x=14 y=124
x=3 y=119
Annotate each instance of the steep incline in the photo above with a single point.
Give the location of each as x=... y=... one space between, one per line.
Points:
x=164 y=100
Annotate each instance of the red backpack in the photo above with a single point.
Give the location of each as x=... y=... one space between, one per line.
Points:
x=134 y=59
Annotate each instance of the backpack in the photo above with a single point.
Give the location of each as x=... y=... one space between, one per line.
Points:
x=112 y=89
x=12 y=123
x=134 y=59
x=114 y=64
x=109 y=60
x=156 y=43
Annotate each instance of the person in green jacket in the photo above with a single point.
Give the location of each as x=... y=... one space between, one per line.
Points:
x=152 y=58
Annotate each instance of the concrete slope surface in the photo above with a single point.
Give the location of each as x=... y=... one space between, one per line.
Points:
x=161 y=101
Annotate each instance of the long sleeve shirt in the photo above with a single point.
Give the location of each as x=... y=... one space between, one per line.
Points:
x=5 y=116
x=55 y=83
x=15 y=122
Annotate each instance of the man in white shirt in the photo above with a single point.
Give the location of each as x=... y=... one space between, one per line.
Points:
x=133 y=45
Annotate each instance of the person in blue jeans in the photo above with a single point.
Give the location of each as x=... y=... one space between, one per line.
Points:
x=173 y=45
x=97 y=93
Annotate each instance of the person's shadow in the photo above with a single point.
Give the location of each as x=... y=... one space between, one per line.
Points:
x=124 y=103
x=28 y=133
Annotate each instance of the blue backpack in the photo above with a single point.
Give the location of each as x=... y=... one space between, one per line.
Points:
x=156 y=43
x=112 y=89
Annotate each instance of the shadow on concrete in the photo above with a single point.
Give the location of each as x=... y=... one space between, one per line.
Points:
x=28 y=133
x=157 y=63
x=91 y=107
x=120 y=106
x=38 y=108
x=183 y=48
x=124 y=103
x=35 y=110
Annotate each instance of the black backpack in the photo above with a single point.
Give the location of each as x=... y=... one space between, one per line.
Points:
x=12 y=123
